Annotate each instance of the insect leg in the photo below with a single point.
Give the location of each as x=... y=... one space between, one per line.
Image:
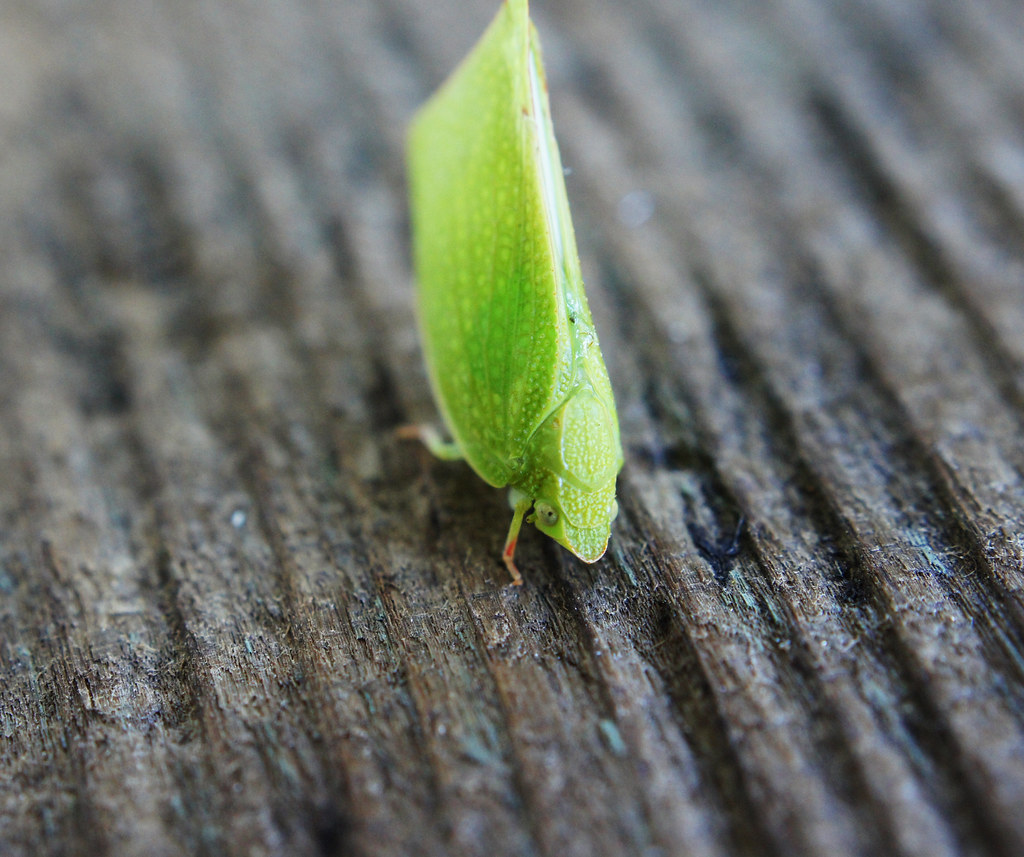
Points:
x=447 y=450
x=521 y=505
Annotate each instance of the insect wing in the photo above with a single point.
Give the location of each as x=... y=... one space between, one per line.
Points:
x=491 y=296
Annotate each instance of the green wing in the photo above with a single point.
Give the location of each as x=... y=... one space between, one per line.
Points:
x=505 y=324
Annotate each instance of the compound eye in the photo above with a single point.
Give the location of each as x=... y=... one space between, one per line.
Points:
x=613 y=510
x=547 y=513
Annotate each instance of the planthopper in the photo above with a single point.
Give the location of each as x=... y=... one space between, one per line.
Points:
x=510 y=346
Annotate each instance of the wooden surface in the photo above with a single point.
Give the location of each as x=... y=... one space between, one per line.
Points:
x=238 y=617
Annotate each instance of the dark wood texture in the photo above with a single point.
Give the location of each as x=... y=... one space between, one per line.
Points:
x=238 y=617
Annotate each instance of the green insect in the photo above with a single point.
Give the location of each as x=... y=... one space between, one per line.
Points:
x=510 y=346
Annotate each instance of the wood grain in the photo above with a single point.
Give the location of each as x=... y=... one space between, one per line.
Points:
x=238 y=616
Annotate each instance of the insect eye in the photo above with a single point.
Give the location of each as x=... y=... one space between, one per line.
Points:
x=613 y=510
x=547 y=513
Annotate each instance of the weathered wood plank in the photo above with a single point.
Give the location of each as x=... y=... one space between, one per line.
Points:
x=237 y=616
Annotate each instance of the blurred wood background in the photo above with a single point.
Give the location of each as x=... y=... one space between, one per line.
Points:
x=238 y=617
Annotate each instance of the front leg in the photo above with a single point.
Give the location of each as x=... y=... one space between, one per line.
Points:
x=520 y=504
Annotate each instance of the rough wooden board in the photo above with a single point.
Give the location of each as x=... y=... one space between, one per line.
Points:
x=238 y=617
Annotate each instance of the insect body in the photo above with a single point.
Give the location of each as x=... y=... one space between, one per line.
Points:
x=510 y=346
